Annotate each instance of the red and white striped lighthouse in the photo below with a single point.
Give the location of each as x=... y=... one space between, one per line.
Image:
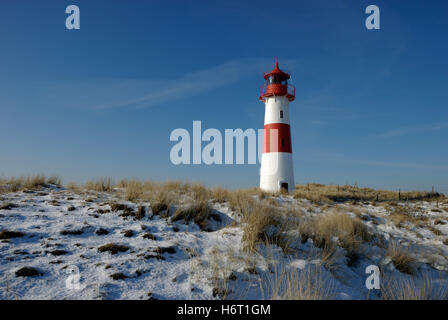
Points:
x=276 y=171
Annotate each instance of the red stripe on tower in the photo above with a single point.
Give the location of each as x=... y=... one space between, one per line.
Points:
x=277 y=138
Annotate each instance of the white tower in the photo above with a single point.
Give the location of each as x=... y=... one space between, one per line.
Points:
x=276 y=171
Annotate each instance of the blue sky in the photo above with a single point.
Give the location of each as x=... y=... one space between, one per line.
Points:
x=370 y=106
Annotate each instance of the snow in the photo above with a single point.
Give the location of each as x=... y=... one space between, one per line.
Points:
x=203 y=261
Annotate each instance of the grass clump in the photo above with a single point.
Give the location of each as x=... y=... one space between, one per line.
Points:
x=401 y=257
x=58 y=252
x=198 y=213
x=101 y=231
x=162 y=250
x=336 y=228
x=128 y=233
x=257 y=221
x=335 y=193
x=127 y=211
x=412 y=288
x=7 y=234
x=100 y=185
x=349 y=230
x=160 y=201
x=27 y=272
x=28 y=183
x=292 y=284
x=149 y=236
x=134 y=190
x=113 y=248
x=118 y=276
x=74 y=232
x=141 y=212
x=8 y=206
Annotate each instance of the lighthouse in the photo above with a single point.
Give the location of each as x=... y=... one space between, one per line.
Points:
x=276 y=173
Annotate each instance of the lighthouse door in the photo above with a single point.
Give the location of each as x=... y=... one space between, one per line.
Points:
x=284 y=186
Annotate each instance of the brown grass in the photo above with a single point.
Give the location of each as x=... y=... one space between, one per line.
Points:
x=27 y=183
x=113 y=248
x=134 y=190
x=219 y=194
x=256 y=221
x=290 y=284
x=412 y=288
x=333 y=193
x=401 y=257
x=241 y=201
x=350 y=231
x=160 y=201
x=198 y=213
x=333 y=229
x=7 y=234
x=100 y=185
x=27 y=272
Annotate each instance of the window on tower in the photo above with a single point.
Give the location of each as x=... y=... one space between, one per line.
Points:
x=275 y=79
x=281 y=114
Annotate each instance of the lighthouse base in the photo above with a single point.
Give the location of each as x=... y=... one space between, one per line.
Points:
x=276 y=172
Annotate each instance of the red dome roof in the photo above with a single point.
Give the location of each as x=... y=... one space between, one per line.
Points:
x=277 y=71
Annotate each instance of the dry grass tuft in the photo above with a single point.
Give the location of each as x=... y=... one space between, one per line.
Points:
x=28 y=272
x=241 y=201
x=7 y=234
x=198 y=212
x=220 y=195
x=261 y=225
x=28 y=183
x=134 y=190
x=100 y=185
x=291 y=284
x=401 y=257
x=113 y=248
x=160 y=201
x=333 y=193
x=349 y=231
x=410 y=288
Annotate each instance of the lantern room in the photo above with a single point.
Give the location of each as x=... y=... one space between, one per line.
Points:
x=277 y=85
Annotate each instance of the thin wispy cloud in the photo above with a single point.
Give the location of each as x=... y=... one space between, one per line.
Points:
x=414 y=129
x=188 y=85
x=102 y=94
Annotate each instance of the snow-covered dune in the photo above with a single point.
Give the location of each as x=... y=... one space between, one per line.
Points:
x=122 y=250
